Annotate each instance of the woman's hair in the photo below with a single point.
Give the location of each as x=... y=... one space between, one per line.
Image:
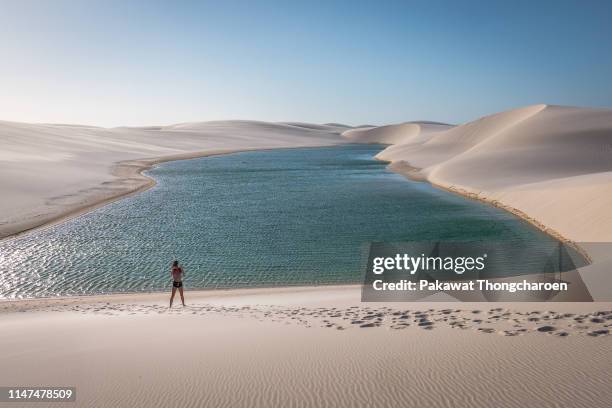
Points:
x=175 y=263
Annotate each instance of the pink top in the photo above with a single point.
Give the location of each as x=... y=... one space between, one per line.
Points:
x=177 y=273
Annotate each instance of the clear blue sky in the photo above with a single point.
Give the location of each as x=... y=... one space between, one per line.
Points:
x=116 y=63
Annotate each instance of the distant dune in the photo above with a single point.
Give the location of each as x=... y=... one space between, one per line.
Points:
x=252 y=127
x=338 y=125
x=327 y=127
x=50 y=171
x=409 y=132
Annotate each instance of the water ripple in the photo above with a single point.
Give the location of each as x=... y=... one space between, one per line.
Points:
x=282 y=217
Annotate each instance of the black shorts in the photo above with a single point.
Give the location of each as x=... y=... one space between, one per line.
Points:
x=177 y=284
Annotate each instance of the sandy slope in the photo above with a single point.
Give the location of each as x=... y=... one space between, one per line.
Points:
x=283 y=348
x=47 y=171
x=552 y=163
x=408 y=132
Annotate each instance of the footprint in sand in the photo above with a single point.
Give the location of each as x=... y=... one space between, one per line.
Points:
x=600 y=332
x=486 y=330
x=546 y=329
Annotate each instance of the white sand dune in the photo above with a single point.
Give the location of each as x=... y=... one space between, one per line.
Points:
x=552 y=163
x=448 y=144
x=284 y=348
x=408 y=132
x=49 y=171
x=327 y=127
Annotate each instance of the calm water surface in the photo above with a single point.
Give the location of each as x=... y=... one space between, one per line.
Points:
x=278 y=217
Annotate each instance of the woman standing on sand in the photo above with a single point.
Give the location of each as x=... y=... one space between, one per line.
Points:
x=177 y=281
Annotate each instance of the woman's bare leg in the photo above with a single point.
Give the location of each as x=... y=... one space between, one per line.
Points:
x=182 y=297
x=172 y=297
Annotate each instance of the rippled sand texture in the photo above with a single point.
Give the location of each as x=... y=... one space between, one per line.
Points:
x=282 y=347
x=500 y=320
